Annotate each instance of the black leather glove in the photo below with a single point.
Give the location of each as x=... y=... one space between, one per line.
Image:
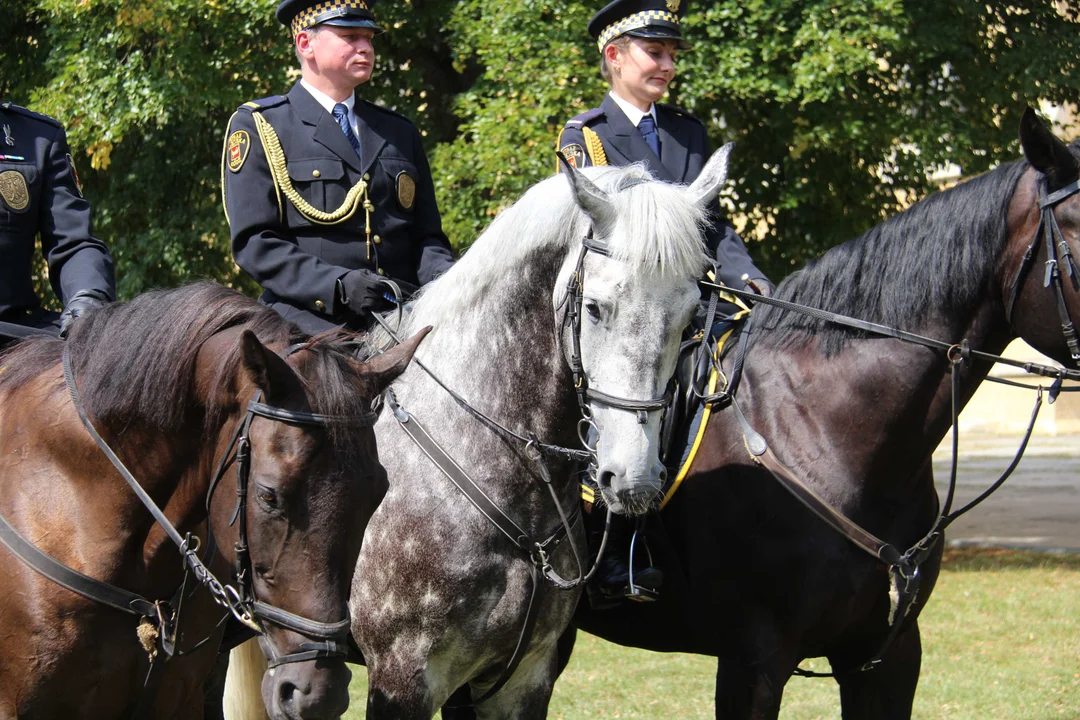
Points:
x=361 y=291
x=407 y=289
x=79 y=303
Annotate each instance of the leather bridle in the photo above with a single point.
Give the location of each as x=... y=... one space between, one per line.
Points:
x=245 y=606
x=575 y=293
x=1058 y=256
x=240 y=601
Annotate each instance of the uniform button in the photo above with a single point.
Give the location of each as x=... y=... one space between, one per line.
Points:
x=320 y=304
x=381 y=271
x=377 y=239
x=367 y=176
x=316 y=173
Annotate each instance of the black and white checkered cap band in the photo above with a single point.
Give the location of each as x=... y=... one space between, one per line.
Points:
x=324 y=11
x=635 y=21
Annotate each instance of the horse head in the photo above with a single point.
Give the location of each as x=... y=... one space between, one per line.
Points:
x=310 y=477
x=1043 y=277
x=630 y=299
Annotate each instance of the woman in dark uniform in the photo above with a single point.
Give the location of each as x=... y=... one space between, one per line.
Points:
x=639 y=41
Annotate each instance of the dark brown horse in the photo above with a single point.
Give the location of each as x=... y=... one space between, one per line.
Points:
x=752 y=576
x=167 y=380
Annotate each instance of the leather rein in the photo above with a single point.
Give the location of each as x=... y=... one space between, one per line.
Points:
x=904 y=566
x=538 y=551
x=240 y=601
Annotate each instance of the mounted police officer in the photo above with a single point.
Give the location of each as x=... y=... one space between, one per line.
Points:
x=40 y=195
x=638 y=42
x=329 y=196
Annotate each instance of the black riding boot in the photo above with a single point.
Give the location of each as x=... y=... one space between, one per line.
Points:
x=613 y=580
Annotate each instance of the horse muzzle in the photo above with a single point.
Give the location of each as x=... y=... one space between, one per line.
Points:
x=311 y=690
x=631 y=492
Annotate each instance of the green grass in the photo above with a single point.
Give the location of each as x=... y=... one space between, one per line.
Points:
x=1001 y=640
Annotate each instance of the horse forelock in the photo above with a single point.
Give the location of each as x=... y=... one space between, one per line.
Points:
x=935 y=257
x=657 y=234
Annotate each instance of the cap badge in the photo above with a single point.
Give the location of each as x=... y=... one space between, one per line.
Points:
x=673 y=5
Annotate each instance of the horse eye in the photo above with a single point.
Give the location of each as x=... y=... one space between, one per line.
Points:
x=267 y=496
x=593 y=309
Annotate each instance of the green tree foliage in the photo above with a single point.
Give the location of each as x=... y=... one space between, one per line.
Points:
x=841 y=110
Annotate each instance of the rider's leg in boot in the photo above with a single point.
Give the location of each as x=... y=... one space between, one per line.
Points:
x=613 y=576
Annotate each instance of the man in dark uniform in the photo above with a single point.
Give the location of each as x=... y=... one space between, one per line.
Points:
x=638 y=41
x=329 y=196
x=40 y=195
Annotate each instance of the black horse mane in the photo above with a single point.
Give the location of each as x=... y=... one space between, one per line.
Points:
x=922 y=260
x=136 y=361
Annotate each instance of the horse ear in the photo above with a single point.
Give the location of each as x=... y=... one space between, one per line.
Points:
x=383 y=369
x=594 y=201
x=1045 y=151
x=269 y=372
x=712 y=177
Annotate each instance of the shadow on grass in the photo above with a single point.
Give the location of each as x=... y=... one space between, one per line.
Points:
x=976 y=559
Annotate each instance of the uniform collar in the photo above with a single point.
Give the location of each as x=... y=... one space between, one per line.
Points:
x=370 y=131
x=632 y=112
x=328 y=102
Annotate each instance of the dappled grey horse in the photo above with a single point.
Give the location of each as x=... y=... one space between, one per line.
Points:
x=595 y=275
x=567 y=312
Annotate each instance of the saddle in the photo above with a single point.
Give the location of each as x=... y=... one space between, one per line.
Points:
x=697 y=379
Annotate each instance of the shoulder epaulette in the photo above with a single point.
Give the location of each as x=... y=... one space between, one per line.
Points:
x=30 y=113
x=679 y=111
x=264 y=103
x=584 y=118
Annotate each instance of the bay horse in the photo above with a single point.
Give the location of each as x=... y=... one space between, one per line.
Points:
x=752 y=576
x=178 y=383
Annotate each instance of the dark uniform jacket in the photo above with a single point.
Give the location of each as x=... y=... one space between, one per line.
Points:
x=684 y=150
x=298 y=259
x=39 y=194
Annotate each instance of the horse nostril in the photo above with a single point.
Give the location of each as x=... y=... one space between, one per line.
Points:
x=286 y=693
x=604 y=478
x=663 y=476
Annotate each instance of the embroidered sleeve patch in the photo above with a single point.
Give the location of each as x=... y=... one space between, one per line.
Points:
x=406 y=190
x=239 y=144
x=75 y=174
x=14 y=190
x=574 y=154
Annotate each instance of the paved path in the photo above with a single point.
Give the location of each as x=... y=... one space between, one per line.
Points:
x=1037 y=508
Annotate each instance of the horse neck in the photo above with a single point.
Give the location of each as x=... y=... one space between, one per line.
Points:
x=881 y=406
x=503 y=355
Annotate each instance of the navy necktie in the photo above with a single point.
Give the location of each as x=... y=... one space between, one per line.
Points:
x=647 y=126
x=341 y=114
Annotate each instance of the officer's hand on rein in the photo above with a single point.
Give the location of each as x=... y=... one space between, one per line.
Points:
x=761 y=286
x=362 y=292
x=79 y=303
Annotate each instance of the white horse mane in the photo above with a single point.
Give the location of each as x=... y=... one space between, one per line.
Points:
x=657 y=233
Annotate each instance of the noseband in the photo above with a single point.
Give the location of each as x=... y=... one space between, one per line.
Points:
x=240 y=601
x=575 y=291
x=1058 y=256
